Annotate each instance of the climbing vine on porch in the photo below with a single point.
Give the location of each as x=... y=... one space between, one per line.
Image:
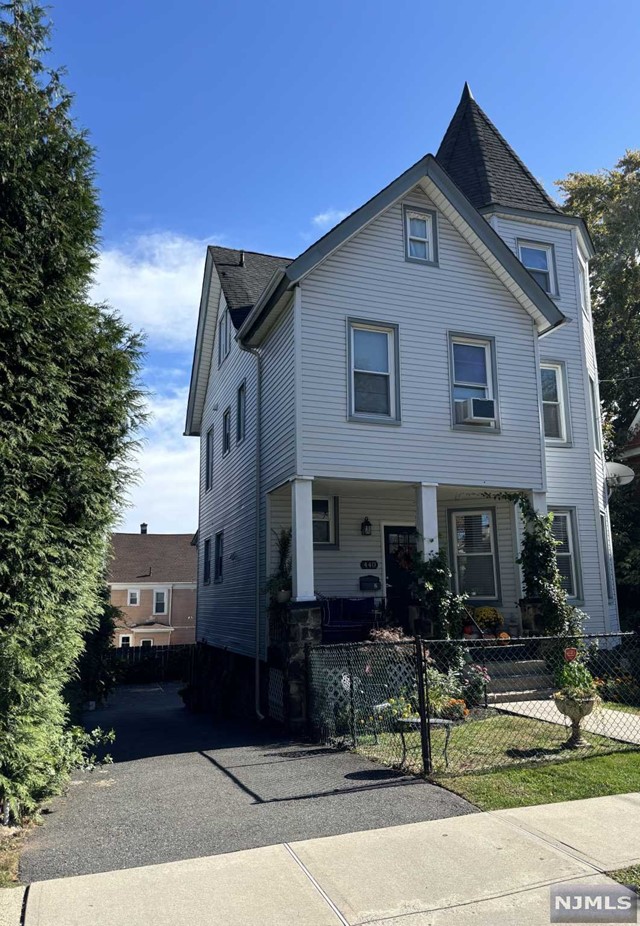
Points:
x=432 y=588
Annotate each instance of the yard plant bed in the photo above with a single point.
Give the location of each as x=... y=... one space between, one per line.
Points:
x=486 y=740
x=10 y=846
x=616 y=773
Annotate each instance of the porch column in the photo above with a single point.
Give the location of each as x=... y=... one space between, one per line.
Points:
x=427 y=518
x=302 y=538
x=539 y=502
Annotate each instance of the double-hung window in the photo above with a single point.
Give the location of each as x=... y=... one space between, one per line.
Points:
x=583 y=277
x=226 y=431
x=125 y=642
x=473 y=377
x=563 y=527
x=208 y=460
x=324 y=512
x=241 y=412
x=554 y=403
x=539 y=260
x=373 y=374
x=420 y=235
x=159 y=601
x=218 y=557
x=474 y=548
x=206 y=564
x=133 y=597
x=607 y=555
x=595 y=415
x=224 y=336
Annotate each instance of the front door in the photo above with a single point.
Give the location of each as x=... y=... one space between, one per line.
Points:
x=400 y=544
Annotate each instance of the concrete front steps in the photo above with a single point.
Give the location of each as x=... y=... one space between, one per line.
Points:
x=518 y=680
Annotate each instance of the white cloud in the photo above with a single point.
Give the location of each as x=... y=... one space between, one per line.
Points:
x=328 y=219
x=154 y=281
x=167 y=495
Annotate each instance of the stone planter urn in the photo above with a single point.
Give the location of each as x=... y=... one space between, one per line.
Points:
x=576 y=709
x=283 y=596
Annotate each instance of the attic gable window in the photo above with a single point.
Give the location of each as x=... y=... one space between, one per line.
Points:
x=539 y=259
x=224 y=336
x=420 y=235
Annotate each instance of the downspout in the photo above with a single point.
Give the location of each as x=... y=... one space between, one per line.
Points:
x=258 y=356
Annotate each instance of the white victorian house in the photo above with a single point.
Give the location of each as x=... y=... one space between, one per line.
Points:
x=433 y=348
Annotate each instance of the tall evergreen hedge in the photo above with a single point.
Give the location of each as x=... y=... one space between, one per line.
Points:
x=69 y=409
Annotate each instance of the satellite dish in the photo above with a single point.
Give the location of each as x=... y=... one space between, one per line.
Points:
x=619 y=475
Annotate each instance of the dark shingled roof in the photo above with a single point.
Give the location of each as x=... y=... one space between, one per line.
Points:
x=242 y=284
x=484 y=166
x=161 y=558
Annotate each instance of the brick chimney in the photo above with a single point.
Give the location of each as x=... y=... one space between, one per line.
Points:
x=143 y=527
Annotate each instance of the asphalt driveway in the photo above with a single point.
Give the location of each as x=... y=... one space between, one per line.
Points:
x=182 y=787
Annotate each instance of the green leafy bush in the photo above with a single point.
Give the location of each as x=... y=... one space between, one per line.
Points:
x=575 y=681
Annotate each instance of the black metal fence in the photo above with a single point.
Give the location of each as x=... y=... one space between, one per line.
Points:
x=153 y=663
x=456 y=706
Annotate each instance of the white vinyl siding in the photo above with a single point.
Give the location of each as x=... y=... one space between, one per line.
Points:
x=554 y=403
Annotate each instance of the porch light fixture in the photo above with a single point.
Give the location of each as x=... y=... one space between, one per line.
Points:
x=365 y=528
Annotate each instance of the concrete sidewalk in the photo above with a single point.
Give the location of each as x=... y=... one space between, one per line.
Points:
x=483 y=869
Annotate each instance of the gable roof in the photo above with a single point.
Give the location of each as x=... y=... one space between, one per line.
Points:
x=157 y=558
x=243 y=277
x=444 y=192
x=484 y=166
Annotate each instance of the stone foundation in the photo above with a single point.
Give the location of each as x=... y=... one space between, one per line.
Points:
x=294 y=627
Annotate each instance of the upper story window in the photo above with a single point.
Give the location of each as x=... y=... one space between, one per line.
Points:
x=159 y=601
x=133 y=597
x=226 y=431
x=474 y=547
x=218 y=557
x=208 y=460
x=595 y=415
x=241 y=412
x=583 y=277
x=554 y=403
x=373 y=371
x=539 y=259
x=473 y=397
x=224 y=336
x=325 y=522
x=420 y=235
x=206 y=570
x=566 y=554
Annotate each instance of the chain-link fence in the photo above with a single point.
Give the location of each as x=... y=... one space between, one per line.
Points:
x=482 y=703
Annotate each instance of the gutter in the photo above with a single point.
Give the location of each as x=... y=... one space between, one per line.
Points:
x=256 y=353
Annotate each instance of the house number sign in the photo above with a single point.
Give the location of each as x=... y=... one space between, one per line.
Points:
x=369 y=564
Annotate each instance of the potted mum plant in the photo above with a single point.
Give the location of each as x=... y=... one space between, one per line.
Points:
x=279 y=584
x=576 y=698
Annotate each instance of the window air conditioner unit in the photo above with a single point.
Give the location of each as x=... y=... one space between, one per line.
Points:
x=478 y=411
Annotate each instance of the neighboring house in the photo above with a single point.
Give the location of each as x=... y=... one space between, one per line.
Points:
x=434 y=346
x=152 y=579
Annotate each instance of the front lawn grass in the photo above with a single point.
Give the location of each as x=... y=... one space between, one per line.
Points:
x=628 y=876
x=616 y=706
x=615 y=773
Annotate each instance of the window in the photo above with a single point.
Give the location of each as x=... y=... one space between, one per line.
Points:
x=159 y=601
x=474 y=550
x=125 y=642
x=325 y=521
x=224 y=336
x=472 y=375
x=583 y=276
x=374 y=390
x=595 y=415
x=539 y=261
x=133 y=597
x=206 y=573
x=564 y=534
x=208 y=461
x=607 y=555
x=554 y=402
x=226 y=432
x=241 y=406
x=146 y=644
x=420 y=235
x=219 y=553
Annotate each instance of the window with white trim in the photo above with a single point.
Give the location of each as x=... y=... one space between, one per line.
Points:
x=373 y=373
x=554 y=408
x=224 y=336
x=125 y=642
x=583 y=277
x=607 y=554
x=147 y=643
x=226 y=432
x=218 y=557
x=538 y=258
x=563 y=528
x=472 y=374
x=595 y=415
x=206 y=571
x=241 y=412
x=208 y=460
x=159 y=601
x=324 y=521
x=133 y=597
x=475 y=559
x=419 y=232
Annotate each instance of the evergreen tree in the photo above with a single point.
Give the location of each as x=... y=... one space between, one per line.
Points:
x=69 y=409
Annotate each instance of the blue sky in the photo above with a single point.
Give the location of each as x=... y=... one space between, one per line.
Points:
x=258 y=124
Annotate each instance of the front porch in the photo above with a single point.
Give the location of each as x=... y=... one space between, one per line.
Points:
x=352 y=540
